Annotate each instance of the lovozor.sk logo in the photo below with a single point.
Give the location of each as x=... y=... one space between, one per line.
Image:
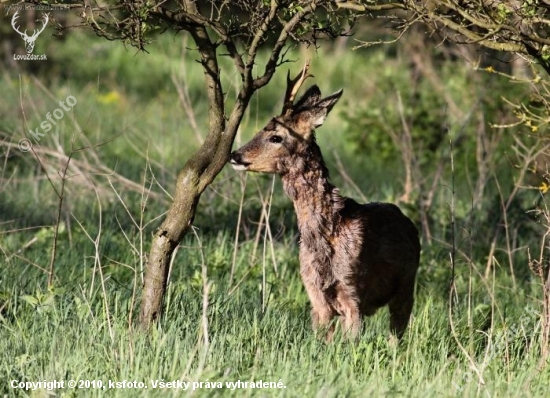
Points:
x=29 y=40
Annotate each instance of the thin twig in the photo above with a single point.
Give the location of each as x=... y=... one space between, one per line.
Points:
x=61 y=197
x=237 y=230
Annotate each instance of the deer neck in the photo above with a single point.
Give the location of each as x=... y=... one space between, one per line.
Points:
x=316 y=201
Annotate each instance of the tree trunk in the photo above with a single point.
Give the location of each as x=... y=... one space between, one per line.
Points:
x=209 y=160
x=166 y=239
x=196 y=175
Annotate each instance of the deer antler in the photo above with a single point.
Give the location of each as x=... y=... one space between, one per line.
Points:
x=24 y=34
x=14 y=18
x=35 y=34
x=293 y=85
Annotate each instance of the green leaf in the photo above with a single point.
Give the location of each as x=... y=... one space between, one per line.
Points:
x=33 y=301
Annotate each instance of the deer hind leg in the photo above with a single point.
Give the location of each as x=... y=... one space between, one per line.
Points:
x=401 y=307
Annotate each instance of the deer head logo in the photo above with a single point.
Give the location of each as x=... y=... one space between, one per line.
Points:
x=29 y=40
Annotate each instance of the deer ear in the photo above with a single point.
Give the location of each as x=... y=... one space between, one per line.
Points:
x=315 y=115
x=310 y=98
x=330 y=101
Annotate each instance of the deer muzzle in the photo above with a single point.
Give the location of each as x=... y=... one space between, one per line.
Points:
x=235 y=159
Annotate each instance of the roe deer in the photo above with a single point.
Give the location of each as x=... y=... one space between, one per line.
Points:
x=354 y=258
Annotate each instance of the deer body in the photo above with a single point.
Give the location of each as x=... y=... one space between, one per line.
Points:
x=354 y=258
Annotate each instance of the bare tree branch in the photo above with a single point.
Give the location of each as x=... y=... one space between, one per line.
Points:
x=509 y=26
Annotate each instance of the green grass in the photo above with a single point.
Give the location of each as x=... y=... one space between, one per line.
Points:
x=66 y=334
x=132 y=133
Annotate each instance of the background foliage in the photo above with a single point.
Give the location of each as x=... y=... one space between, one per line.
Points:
x=431 y=130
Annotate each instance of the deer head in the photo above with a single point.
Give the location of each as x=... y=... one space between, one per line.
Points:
x=29 y=40
x=286 y=137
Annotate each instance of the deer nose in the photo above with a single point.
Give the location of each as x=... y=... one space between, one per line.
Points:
x=235 y=158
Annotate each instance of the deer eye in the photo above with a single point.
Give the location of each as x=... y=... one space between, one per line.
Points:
x=276 y=139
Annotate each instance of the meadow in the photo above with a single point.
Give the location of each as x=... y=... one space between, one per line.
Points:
x=79 y=209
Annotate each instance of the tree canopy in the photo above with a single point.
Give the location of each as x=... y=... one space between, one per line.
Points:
x=516 y=26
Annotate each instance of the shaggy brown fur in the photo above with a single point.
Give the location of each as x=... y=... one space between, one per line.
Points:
x=353 y=258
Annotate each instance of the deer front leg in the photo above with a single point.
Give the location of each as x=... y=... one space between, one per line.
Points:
x=321 y=318
x=348 y=308
x=322 y=312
